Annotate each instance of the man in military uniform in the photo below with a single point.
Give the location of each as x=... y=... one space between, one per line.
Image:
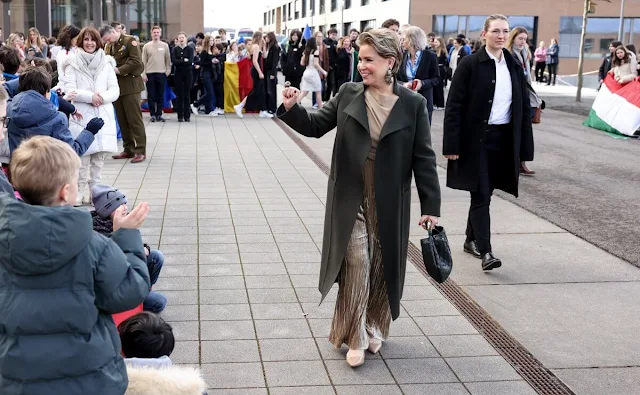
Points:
x=129 y=68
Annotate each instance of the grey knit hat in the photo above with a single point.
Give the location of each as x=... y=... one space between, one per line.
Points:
x=106 y=199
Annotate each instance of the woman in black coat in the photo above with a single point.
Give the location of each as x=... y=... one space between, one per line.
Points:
x=347 y=62
x=291 y=67
x=370 y=184
x=443 y=72
x=272 y=54
x=487 y=132
x=420 y=64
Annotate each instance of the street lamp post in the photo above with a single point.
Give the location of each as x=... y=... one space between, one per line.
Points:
x=620 y=29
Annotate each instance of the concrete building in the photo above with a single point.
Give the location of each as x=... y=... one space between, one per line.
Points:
x=49 y=16
x=545 y=19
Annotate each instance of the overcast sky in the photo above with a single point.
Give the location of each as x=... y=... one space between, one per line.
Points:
x=234 y=13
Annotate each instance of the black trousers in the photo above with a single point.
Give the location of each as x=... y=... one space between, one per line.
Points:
x=183 y=79
x=331 y=85
x=492 y=159
x=438 y=94
x=553 y=72
x=218 y=88
x=155 y=93
x=540 y=71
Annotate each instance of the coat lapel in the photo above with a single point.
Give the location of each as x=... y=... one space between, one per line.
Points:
x=398 y=118
x=357 y=108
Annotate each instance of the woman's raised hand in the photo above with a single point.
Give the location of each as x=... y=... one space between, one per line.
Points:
x=289 y=97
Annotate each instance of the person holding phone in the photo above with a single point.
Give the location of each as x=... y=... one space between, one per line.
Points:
x=34 y=44
x=419 y=67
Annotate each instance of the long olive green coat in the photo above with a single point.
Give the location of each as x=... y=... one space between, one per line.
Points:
x=404 y=147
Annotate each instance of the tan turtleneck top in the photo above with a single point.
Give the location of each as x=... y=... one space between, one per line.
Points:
x=378 y=109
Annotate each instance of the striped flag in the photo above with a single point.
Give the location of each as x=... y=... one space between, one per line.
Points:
x=237 y=82
x=616 y=108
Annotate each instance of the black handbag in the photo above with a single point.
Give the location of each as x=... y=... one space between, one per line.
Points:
x=437 y=254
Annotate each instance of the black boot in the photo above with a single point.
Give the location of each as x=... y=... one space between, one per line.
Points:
x=470 y=247
x=490 y=262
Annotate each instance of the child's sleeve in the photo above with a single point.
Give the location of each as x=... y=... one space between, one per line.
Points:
x=81 y=144
x=122 y=278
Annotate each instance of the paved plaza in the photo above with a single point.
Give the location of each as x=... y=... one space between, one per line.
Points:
x=237 y=208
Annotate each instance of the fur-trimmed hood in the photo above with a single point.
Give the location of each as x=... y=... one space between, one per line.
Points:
x=173 y=380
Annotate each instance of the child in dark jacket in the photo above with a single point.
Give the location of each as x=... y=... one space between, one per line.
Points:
x=61 y=281
x=31 y=113
x=106 y=201
x=147 y=343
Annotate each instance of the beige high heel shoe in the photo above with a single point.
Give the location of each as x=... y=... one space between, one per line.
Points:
x=375 y=345
x=355 y=358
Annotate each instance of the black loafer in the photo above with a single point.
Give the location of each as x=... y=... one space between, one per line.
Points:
x=470 y=247
x=490 y=262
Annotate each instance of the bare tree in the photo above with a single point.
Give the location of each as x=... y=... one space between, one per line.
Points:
x=585 y=15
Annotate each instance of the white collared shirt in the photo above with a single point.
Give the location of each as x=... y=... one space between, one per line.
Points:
x=502 y=96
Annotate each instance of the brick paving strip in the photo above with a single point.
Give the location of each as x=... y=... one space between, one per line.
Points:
x=238 y=208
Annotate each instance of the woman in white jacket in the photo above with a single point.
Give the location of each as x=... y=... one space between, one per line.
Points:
x=91 y=83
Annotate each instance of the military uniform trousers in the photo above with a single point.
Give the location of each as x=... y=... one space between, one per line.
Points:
x=129 y=116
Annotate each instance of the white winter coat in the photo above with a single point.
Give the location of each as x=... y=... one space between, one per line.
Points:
x=80 y=79
x=174 y=380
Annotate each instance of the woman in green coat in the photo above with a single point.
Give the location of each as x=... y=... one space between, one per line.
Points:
x=382 y=137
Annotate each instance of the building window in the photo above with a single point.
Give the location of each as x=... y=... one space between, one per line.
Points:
x=600 y=32
x=265 y=19
x=304 y=8
x=365 y=2
x=365 y=24
x=334 y=5
x=322 y=7
x=449 y=26
x=347 y=4
x=345 y=28
x=289 y=11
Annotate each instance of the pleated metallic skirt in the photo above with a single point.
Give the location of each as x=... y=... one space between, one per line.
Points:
x=362 y=308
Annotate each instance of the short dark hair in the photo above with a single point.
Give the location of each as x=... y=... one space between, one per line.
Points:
x=460 y=41
x=462 y=36
x=199 y=35
x=390 y=22
x=35 y=78
x=220 y=47
x=66 y=35
x=146 y=335
x=354 y=30
x=39 y=62
x=115 y=24
x=105 y=29
x=431 y=34
x=10 y=59
x=615 y=44
x=156 y=27
x=332 y=31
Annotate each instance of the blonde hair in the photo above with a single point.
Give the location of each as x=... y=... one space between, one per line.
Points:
x=386 y=43
x=442 y=49
x=494 y=17
x=515 y=32
x=40 y=166
x=34 y=30
x=416 y=37
x=12 y=38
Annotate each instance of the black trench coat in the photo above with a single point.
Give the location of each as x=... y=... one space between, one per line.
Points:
x=467 y=115
x=404 y=146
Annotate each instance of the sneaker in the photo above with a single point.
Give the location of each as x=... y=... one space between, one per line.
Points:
x=160 y=119
x=212 y=114
x=219 y=111
x=315 y=106
x=238 y=110
x=153 y=119
x=194 y=109
x=264 y=114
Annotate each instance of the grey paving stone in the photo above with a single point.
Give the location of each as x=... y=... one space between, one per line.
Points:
x=368 y=389
x=415 y=279
x=176 y=284
x=217 y=216
x=214 y=207
x=233 y=375
x=264 y=269
x=279 y=311
x=221 y=269
x=179 y=259
x=435 y=389
x=210 y=229
x=462 y=345
x=150 y=231
x=227 y=330
x=179 y=271
x=483 y=369
x=217 y=239
x=282 y=329
x=297 y=373
x=320 y=327
x=212 y=259
x=289 y=350
x=254 y=238
x=178 y=313
x=221 y=282
x=186 y=330
x=314 y=390
x=372 y=372
x=218 y=248
x=179 y=248
x=506 y=388
x=446 y=325
x=173 y=222
x=408 y=347
x=280 y=281
x=312 y=295
x=258 y=247
x=304 y=280
x=225 y=312
x=276 y=295
x=429 y=308
x=243 y=391
x=292 y=238
x=301 y=256
x=419 y=292
x=312 y=310
x=181 y=297
x=419 y=371
x=260 y=257
x=251 y=229
x=223 y=296
x=403 y=327
x=230 y=351
x=185 y=352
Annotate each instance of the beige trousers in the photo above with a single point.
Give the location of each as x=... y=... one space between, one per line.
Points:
x=90 y=171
